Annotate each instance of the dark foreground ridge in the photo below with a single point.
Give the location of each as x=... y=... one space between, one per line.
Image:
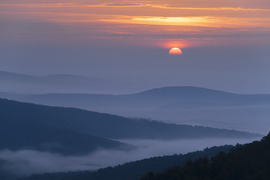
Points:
x=246 y=162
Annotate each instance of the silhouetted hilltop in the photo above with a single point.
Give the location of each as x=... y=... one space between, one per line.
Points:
x=10 y=76
x=35 y=127
x=250 y=161
x=23 y=83
x=182 y=91
x=180 y=105
x=103 y=125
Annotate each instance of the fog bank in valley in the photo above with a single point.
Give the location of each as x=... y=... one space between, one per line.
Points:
x=26 y=162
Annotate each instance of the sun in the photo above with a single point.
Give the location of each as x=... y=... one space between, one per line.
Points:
x=175 y=51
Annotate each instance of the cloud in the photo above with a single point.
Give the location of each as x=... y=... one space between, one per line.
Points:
x=26 y=162
x=130 y=18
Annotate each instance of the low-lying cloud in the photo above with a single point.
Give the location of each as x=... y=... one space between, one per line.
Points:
x=26 y=162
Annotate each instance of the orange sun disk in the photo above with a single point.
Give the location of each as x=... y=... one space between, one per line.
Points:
x=175 y=51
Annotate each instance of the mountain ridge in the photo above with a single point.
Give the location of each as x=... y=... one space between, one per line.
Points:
x=249 y=161
x=182 y=89
x=201 y=106
x=106 y=125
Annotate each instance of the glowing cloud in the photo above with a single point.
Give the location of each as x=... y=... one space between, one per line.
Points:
x=171 y=24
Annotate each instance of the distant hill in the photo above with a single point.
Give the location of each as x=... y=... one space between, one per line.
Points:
x=250 y=161
x=132 y=170
x=15 y=115
x=180 y=105
x=22 y=83
x=181 y=92
x=24 y=78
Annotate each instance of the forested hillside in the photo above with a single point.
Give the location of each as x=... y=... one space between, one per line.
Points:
x=103 y=125
x=246 y=162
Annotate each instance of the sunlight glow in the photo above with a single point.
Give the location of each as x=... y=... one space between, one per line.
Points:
x=164 y=24
x=194 y=21
x=175 y=51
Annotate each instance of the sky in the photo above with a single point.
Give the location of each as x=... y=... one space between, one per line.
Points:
x=225 y=44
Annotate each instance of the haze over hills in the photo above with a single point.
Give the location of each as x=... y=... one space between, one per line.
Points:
x=64 y=83
x=104 y=125
x=67 y=83
x=41 y=136
x=90 y=84
x=181 y=105
x=84 y=139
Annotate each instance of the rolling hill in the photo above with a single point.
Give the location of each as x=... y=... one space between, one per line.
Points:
x=23 y=83
x=28 y=126
x=16 y=114
x=71 y=131
x=250 y=161
x=179 y=105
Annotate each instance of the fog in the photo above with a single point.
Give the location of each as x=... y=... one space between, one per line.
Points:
x=26 y=162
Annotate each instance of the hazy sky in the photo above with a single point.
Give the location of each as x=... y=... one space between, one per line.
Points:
x=225 y=44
